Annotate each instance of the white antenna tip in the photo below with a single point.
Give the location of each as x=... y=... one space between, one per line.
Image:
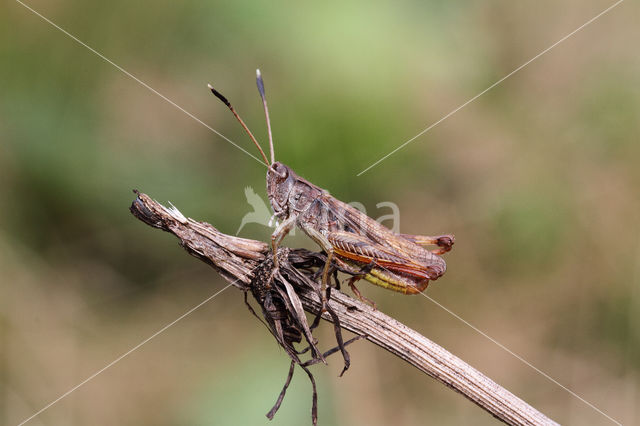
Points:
x=258 y=74
x=209 y=86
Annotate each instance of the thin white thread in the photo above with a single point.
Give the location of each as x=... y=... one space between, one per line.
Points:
x=77 y=40
x=522 y=359
x=94 y=375
x=491 y=87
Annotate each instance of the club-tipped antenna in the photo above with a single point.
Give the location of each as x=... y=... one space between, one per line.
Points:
x=260 y=84
x=228 y=104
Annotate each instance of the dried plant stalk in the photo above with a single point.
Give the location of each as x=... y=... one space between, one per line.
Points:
x=236 y=259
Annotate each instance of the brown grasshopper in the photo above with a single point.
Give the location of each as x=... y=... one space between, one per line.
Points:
x=356 y=243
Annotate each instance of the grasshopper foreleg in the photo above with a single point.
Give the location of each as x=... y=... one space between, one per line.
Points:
x=278 y=235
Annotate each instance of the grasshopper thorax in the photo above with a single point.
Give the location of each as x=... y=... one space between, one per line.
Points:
x=280 y=181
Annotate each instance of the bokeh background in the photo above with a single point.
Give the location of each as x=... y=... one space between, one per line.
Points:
x=538 y=179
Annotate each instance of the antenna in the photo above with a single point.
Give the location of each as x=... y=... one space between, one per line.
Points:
x=228 y=104
x=260 y=84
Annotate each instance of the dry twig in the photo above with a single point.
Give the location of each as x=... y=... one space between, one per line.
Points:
x=236 y=259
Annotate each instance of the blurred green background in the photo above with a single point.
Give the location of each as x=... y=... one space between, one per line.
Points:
x=538 y=179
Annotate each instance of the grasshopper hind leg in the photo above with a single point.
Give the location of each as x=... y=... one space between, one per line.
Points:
x=357 y=277
x=444 y=242
x=352 y=285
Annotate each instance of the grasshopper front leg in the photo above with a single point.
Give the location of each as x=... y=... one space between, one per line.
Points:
x=278 y=235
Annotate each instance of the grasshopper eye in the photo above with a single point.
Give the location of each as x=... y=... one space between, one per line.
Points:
x=280 y=170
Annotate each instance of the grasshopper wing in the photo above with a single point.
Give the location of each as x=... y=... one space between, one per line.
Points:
x=347 y=219
x=362 y=250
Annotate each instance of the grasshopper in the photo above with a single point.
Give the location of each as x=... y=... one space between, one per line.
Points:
x=356 y=243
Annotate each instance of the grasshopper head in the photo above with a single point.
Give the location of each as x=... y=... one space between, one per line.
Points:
x=280 y=181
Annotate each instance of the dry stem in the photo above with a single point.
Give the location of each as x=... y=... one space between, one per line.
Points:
x=235 y=259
